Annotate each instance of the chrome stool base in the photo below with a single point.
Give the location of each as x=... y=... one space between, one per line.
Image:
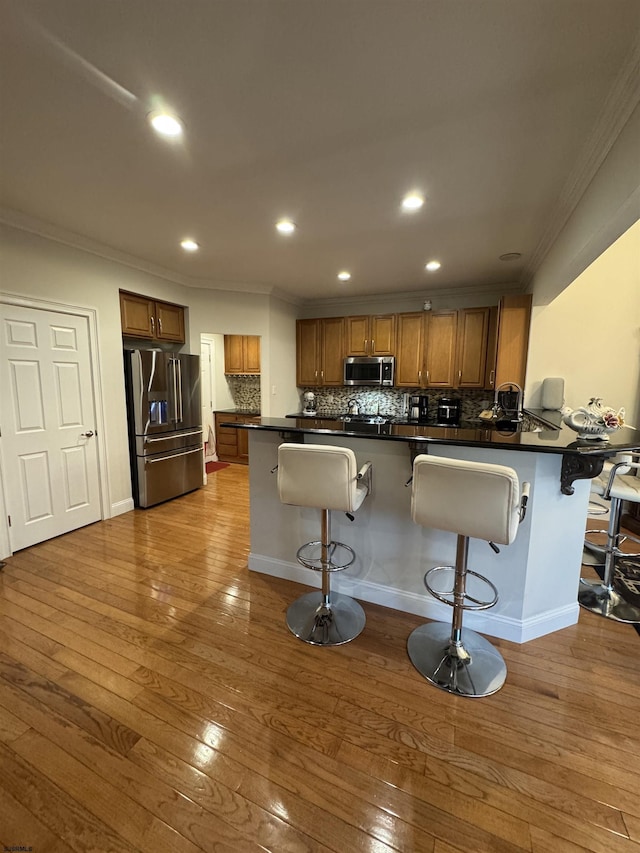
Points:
x=472 y=668
x=319 y=623
x=605 y=601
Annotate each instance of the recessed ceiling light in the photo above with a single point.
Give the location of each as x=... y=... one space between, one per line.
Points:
x=510 y=256
x=344 y=275
x=165 y=124
x=432 y=266
x=413 y=201
x=286 y=226
x=189 y=245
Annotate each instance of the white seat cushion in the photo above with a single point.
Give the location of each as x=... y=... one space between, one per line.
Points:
x=625 y=486
x=474 y=499
x=319 y=475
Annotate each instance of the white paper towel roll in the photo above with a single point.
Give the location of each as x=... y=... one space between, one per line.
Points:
x=553 y=393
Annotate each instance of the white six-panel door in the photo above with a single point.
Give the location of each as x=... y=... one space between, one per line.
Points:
x=49 y=449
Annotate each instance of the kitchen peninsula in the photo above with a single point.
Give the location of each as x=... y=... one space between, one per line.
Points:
x=537 y=576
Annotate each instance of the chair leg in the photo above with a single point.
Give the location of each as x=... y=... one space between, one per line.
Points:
x=323 y=618
x=456 y=660
x=600 y=597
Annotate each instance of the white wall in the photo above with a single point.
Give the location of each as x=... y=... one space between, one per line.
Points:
x=280 y=397
x=608 y=208
x=590 y=333
x=39 y=268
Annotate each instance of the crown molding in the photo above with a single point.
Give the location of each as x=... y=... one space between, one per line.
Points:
x=24 y=222
x=423 y=293
x=622 y=100
x=48 y=231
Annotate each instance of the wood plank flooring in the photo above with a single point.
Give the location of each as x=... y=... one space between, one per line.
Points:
x=152 y=699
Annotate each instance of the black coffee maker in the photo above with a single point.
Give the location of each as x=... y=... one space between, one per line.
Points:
x=448 y=411
x=419 y=408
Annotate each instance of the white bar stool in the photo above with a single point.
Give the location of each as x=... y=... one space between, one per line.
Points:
x=615 y=484
x=472 y=499
x=325 y=477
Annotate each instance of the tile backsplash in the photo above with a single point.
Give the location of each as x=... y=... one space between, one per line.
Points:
x=388 y=401
x=245 y=390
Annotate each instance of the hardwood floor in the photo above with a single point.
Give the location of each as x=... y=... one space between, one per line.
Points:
x=152 y=699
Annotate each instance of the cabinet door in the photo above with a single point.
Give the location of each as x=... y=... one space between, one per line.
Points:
x=382 y=334
x=332 y=362
x=473 y=324
x=251 y=353
x=169 y=322
x=243 y=437
x=410 y=350
x=514 y=316
x=357 y=335
x=440 y=350
x=233 y=358
x=137 y=316
x=243 y=445
x=307 y=352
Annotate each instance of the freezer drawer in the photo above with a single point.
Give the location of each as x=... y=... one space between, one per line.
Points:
x=154 y=444
x=168 y=475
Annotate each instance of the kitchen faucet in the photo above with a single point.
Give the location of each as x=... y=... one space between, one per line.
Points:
x=504 y=400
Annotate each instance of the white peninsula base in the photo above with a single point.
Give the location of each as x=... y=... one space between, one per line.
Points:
x=537 y=576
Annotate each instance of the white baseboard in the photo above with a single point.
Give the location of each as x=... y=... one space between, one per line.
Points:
x=485 y=622
x=121 y=507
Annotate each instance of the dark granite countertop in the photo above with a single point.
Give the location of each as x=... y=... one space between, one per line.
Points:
x=557 y=438
x=253 y=412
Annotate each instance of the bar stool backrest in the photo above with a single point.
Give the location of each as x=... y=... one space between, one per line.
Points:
x=319 y=475
x=474 y=499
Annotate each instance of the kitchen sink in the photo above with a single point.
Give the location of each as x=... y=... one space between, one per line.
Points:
x=364 y=419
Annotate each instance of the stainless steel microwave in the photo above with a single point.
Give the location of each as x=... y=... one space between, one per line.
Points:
x=369 y=370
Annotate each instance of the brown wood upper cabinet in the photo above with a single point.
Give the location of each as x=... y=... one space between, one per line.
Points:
x=508 y=357
x=320 y=351
x=371 y=335
x=147 y=318
x=442 y=349
x=242 y=354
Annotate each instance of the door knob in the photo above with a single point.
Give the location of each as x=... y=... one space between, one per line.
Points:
x=87 y=434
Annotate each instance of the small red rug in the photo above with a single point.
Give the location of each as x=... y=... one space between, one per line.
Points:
x=216 y=466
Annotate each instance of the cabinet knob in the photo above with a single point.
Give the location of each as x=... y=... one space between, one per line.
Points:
x=492 y=377
x=153 y=325
x=159 y=325
x=373 y=347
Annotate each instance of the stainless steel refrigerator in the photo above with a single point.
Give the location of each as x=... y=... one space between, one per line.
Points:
x=165 y=429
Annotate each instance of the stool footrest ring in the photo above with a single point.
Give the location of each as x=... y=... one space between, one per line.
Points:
x=476 y=604
x=600 y=550
x=340 y=556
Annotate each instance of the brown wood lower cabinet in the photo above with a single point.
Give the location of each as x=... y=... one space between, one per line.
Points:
x=232 y=444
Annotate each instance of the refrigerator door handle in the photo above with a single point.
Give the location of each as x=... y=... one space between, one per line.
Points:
x=173 y=456
x=174 y=388
x=179 y=397
x=169 y=436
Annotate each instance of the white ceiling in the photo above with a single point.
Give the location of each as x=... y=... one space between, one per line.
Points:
x=326 y=111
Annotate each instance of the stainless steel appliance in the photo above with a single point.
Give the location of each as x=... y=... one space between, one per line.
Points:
x=165 y=430
x=369 y=370
x=419 y=408
x=310 y=408
x=448 y=411
x=507 y=404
